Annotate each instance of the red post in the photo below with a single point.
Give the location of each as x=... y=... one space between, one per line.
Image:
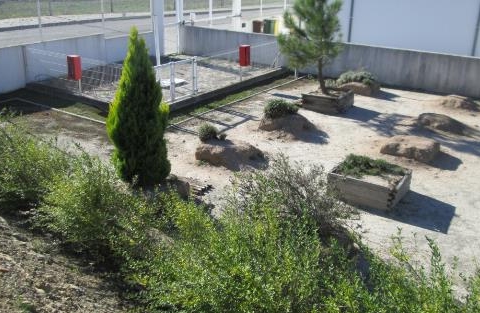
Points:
x=74 y=65
x=244 y=55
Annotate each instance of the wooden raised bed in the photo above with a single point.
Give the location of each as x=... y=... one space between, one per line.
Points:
x=367 y=193
x=329 y=104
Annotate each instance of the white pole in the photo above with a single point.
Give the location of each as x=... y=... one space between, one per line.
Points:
x=156 y=11
x=261 y=8
x=180 y=20
x=237 y=15
x=39 y=14
x=172 y=82
x=210 y=12
x=103 y=16
x=284 y=5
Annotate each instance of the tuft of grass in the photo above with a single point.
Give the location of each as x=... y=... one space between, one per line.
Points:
x=278 y=108
x=207 y=132
x=360 y=165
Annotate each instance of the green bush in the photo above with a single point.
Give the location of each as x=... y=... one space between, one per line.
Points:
x=294 y=189
x=137 y=120
x=27 y=166
x=235 y=264
x=94 y=213
x=363 y=77
x=360 y=165
x=207 y=132
x=277 y=108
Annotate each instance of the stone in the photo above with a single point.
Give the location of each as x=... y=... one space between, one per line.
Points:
x=443 y=123
x=412 y=147
x=361 y=89
x=230 y=154
x=457 y=102
x=293 y=123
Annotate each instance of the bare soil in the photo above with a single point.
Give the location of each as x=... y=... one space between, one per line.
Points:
x=443 y=203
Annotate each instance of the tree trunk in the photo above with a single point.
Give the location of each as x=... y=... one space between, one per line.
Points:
x=320 y=77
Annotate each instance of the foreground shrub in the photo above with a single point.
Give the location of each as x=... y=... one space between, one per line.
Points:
x=93 y=212
x=294 y=189
x=363 y=77
x=277 y=108
x=27 y=166
x=235 y=264
x=207 y=132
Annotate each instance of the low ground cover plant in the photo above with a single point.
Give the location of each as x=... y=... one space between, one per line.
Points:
x=363 y=77
x=278 y=108
x=360 y=165
x=207 y=132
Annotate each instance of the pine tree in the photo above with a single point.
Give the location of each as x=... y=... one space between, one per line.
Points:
x=137 y=120
x=318 y=40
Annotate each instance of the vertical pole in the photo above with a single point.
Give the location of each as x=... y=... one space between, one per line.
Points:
x=241 y=73
x=172 y=81
x=156 y=11
x=103 y=16
x=261 y=8
x=210 y=12
x=39 y=14
x=194 y=74
x=236 y=15
x=180 y=20
x=476 y=34
x=80 y=85
x=350 y=21
x=284 y=5
x=50 y=12
x=111 y=6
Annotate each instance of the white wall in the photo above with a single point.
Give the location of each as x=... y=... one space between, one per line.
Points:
x=116 y=47
x=443 y=26
x=12 y=71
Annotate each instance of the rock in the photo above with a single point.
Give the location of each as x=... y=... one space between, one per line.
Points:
x=412 y=147
x=442 y=122
x=40 y=292
x=361 y=89
x=20 y=237
x=457 y=102
x=4 y=270
x=3 y=223
x=229 y=154
x=293 y=123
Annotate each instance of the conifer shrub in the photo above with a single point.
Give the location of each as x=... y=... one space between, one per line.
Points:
x=137 y=120
x=207 y=132
x=278 y=108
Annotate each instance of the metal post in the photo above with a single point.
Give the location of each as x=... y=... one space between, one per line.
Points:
x=180 y=20
x=156 y=11
x=80 y=85
x=284 y=5
x=157 y=43
x=477 y=29
x=210 y=12
x=172 y=82
x=103 y=16
x=194 y=75
x=237 y=15
x=39 y=14
x=241 y=73
x=50 y=12
x=350 y=22
x=295 y=73
x=261 y=8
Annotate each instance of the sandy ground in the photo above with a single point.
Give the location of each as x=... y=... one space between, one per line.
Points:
x=443 y=204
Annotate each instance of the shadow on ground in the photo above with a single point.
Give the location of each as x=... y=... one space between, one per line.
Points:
x=421 y=211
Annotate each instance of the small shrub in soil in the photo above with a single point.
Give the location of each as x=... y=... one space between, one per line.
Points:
x=222 y=136
x=278 y=108
x=207 y=132
x=360 y=165
x=363 y=77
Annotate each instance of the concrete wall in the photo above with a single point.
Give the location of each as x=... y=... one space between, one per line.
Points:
x=402 y=68
x=443 y=26
x=12 y=69
x=33 y=62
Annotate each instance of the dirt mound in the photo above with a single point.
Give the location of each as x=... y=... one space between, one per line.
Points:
x=361 y=89
x=232 y=155
x=457 y=102
x=294 y=125
x=443 y=123
x=412 y=147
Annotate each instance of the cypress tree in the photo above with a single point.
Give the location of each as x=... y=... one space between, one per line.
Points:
x=318 y=40
x=137 y=120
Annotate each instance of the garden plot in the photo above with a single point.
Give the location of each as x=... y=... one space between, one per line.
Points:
x=443 y=202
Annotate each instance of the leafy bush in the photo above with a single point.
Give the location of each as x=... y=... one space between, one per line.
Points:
x=359 y=165
x=207 y=132
x=238 y=263
x=277 y=108
x=27 y=166
x=363 y=77
x=294 y=189
x=93 y=212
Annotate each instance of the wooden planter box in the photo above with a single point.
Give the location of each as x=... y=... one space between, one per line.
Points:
x=326 y=103
x=367 y=194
